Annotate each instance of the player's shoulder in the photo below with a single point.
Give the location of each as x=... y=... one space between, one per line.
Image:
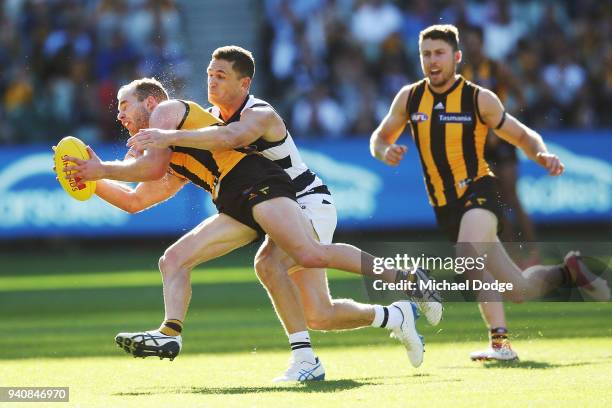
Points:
x=170 y=106
x=255 y=102
x=485 y=96
x=258 y=106
x=259 y=109
x=404 y=95
x=167 y=113
x=409 y=88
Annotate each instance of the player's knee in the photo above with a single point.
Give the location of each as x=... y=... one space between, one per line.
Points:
x=170 y=262
x=311 y=258
x=265 y=270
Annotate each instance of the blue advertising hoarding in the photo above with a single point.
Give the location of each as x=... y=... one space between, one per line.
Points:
x=367 y=193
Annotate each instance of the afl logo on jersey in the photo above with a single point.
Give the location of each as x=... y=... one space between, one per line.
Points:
x=418 y=117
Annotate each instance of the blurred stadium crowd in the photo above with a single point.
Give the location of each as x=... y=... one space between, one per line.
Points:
x=62 y=61
x=338 y=63
x=331 y=66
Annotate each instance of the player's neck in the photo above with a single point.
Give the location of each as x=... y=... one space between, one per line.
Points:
x=229 y=109
x=446 y=86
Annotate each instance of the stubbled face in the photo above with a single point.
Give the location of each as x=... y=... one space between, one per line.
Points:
x=438 y=61
x=133 y=113
x=224 y=85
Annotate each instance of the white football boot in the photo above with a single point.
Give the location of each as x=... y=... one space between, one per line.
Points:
x=407 y=333
x=428 y=301
x=589 y=285
x=150 y=343
x=302 y=371
x=503 y=353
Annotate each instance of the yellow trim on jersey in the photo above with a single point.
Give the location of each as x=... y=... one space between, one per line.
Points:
x=454 y=142
x=202 y=167
x=426 y=106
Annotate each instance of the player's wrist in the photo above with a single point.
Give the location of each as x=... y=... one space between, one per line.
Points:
x=172 y=138
x=105 y=170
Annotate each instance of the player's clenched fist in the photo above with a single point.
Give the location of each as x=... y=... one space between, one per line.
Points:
x=552 y=163
x=394 y=154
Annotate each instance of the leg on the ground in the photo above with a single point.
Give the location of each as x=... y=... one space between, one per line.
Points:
x=214 y=237
x=271 y=265
x=499 y=346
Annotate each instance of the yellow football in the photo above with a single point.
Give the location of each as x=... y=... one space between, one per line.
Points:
x=71 y=146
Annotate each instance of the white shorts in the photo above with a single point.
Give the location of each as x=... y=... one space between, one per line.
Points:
x=323 y=216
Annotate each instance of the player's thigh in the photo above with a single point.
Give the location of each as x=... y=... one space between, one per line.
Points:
x=215 y=236
x=281 y=218
x=478 y=225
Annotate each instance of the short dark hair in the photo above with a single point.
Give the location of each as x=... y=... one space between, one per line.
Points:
x=145 y=87
x=242 y=60
x=445 y=32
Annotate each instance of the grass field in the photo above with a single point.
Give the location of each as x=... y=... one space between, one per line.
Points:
x=63 y=310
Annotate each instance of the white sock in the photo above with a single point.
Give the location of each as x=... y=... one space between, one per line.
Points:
x=379 y=316
x=301 y=349
x=389 y=317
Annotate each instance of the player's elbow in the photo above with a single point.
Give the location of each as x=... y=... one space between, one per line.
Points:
x=234 y=140
x=372 y=146
x=377 y=145
x=159 y=174
x=133 y=205
x=155 y=173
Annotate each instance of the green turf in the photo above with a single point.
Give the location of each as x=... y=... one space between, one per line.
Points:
x=62 y=318
x=553 y=373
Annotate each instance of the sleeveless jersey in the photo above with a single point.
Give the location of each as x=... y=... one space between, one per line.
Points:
x=283 y=152
x=450 y=137
x=202 y=167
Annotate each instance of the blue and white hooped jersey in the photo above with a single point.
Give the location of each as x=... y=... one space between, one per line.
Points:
x=283 y=152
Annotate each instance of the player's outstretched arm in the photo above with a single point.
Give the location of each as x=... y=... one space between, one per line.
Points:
x=151 y=165
x=382 y=141
x=512 y=130
x=253 y=124
x=145 y=195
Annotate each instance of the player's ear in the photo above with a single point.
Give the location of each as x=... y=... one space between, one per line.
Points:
x=246 y=82
x=150 y=103
x=458 y=56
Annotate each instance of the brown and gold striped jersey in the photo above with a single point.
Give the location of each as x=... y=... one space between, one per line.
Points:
x=202 y=167
x=450 y=137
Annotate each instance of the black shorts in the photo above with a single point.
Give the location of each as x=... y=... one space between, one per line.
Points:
x=253 y=180
x=482 y=193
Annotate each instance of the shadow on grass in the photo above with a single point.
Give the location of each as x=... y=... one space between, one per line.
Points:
x=307 y=387
x=404 y=379
x=531 y=364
